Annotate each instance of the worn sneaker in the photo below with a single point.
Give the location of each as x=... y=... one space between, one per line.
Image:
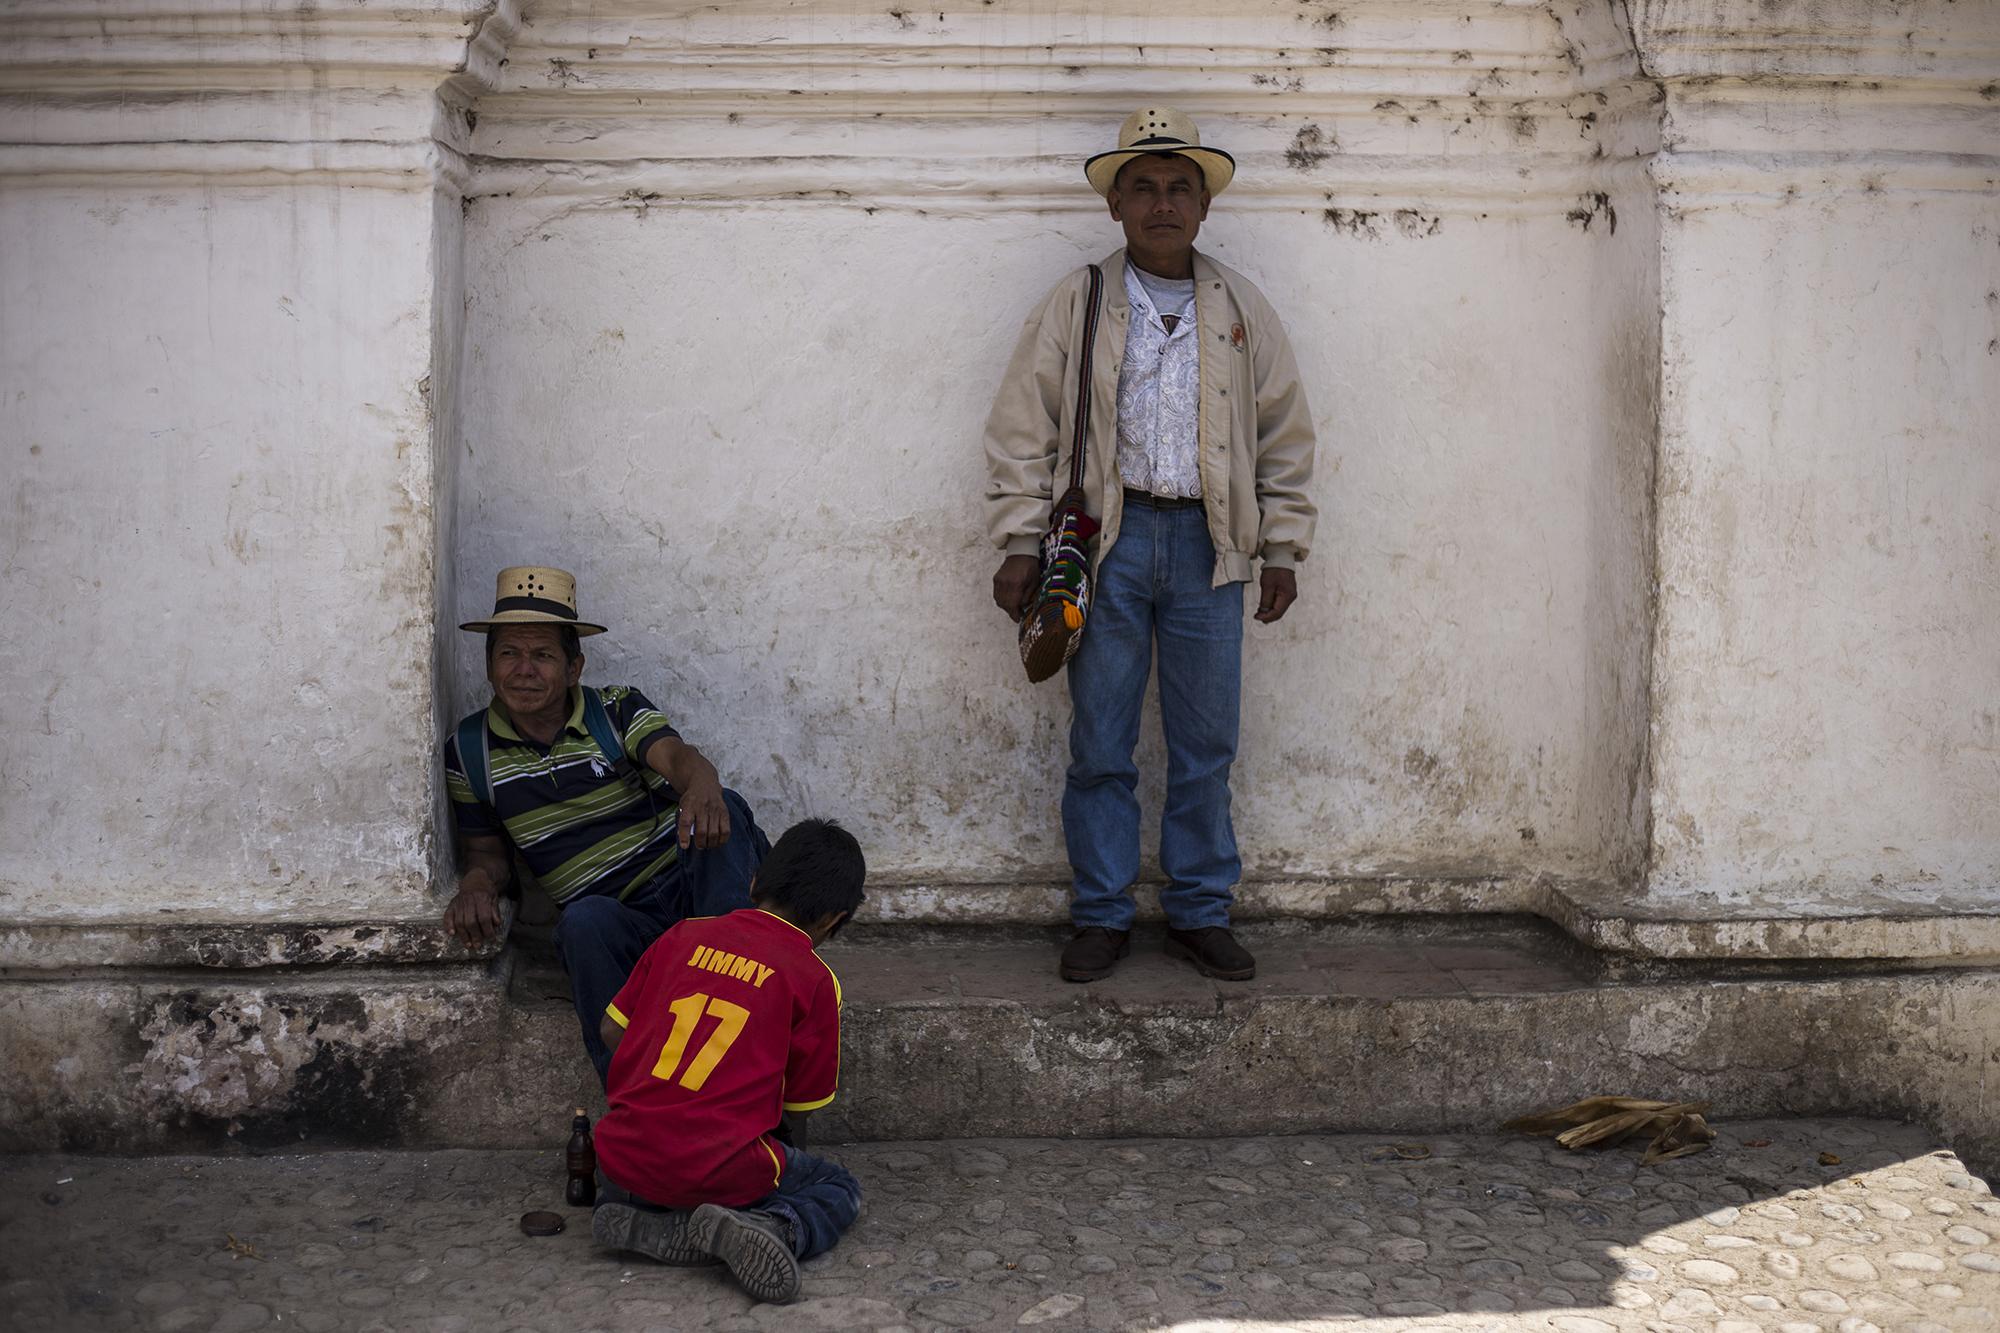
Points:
x=1213 y=951
x=1093 y=951
x=755 y=1246
x=668 y=1237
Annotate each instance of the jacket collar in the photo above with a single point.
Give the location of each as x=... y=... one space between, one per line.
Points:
x=1119 y=308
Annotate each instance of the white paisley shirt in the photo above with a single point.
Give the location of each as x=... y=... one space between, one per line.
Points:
x=1159 y=389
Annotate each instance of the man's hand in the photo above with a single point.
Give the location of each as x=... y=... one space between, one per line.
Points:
x=704 y=817
x=473 y=915
x=1280 y=588
x=1014 y=584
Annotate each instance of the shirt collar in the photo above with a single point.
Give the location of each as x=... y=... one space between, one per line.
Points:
x=1143 y=307
x=503 y=725
x=781 y=921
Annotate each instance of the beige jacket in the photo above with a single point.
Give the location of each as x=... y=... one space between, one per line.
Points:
x=1255 y=432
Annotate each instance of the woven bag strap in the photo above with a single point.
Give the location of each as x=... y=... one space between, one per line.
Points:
x=1081 y=444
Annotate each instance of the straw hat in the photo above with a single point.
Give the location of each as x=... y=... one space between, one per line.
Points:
x=534 y=595
x=1160 y=131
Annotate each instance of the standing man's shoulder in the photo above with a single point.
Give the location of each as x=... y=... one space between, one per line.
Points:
x=1247 y=294
x=1059 y=305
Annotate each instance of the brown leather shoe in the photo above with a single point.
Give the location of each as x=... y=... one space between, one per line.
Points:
x=1093 y=951
x=1213 y=951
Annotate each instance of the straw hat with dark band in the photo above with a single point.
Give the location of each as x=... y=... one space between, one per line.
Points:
x=1160 y=131
x=534 y=595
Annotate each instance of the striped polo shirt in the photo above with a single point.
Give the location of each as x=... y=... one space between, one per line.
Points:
x=581 y=825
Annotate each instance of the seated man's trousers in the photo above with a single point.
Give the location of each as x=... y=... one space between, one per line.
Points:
x=600 y=938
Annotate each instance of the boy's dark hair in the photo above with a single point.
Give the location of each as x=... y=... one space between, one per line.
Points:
x=813 y=871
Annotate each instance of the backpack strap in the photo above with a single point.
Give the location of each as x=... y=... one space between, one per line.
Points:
x=473 y=755
x=598 y=719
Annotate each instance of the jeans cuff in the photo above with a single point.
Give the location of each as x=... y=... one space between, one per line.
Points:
x=788 y=1218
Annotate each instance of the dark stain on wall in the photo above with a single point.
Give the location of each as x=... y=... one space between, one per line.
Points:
x=1310 y=147
x=1592 y=207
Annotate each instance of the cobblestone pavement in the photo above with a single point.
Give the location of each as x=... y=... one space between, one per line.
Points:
x=1347 y=1231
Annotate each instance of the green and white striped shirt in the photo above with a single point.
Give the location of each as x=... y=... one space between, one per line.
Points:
x=581 y=824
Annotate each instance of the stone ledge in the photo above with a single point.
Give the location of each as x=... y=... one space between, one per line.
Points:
x=44 y=946
x=952 y=1032
x=1618 y=923
x=1878 y=930
x=1602 y=917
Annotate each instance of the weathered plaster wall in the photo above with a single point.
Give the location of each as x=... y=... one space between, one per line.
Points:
x=445 y=393
x=733 y=289
x=218 y=559
x=706 y=303
x=216 y=329
x=740 y=289
x=1825 y=731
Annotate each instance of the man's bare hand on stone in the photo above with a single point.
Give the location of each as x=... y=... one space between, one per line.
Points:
x=473 y=915
x=1014 y=584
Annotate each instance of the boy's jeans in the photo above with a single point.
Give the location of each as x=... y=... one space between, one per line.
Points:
x=819 y=1198
x=601 y=939
x=1155 y=586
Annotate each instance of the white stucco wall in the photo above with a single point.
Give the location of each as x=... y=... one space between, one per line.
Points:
x=729 y=360
x=1829 y=630
x=1829 y=478
x=719 y=320
x=218 y=555
x=216 y=335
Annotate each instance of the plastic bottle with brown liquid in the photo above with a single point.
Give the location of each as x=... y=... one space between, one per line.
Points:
x=581 y=1159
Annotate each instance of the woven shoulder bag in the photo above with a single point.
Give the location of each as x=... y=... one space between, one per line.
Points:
x=1053 y=625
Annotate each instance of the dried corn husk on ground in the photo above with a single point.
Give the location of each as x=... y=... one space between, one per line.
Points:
x=1677 y=1128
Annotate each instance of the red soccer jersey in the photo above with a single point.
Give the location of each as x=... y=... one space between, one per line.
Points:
x=728 y=1020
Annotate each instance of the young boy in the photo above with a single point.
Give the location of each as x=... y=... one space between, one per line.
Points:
x=727 y=1024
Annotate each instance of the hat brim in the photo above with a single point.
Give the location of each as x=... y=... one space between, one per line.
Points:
x=1217 y=167
x=500 y=620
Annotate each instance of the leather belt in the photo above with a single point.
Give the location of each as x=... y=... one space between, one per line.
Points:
x=1147 y=499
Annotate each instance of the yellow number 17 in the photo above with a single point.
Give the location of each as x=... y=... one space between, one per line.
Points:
x=687 y=1011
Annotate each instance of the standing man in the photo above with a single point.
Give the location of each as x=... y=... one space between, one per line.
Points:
x=623 y=823
x=1207 y=472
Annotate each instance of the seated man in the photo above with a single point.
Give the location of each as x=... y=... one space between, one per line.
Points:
x=623 y=823
x=726 y=1024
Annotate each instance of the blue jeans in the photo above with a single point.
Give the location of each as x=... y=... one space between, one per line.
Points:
x=600 y=939
x=1153 y=588
x=819 y=1198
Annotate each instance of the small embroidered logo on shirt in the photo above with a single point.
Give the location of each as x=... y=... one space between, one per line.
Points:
x=1235 y=335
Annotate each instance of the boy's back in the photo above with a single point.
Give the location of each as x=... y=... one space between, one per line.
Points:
x=728 y=1021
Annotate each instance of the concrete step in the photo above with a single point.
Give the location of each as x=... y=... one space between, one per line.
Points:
x=1391 y=1024
x=1379 y=1024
